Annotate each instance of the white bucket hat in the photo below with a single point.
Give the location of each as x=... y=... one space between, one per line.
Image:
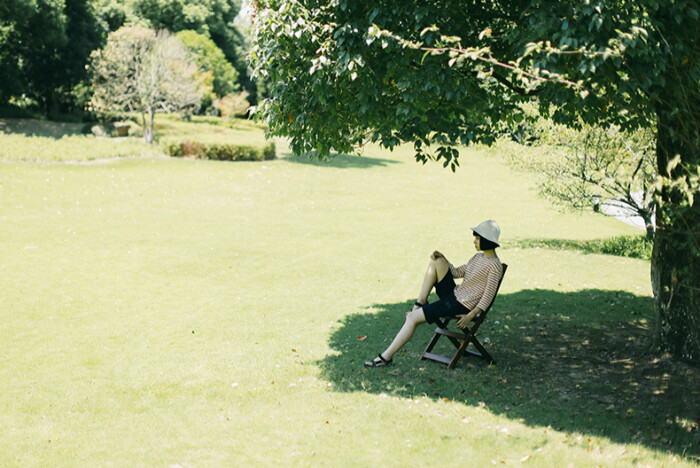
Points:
x=488 y=230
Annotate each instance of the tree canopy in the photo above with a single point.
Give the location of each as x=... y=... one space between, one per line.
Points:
x=44 y=46
x=449 y=72
x=210 y=59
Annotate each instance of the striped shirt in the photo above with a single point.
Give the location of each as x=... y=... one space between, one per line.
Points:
x=481 y=276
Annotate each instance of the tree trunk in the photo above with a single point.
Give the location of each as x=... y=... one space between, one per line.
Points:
x=151 y=117
x=649 y=224
x=147 y=123
x=675 y=267
x=144 y=124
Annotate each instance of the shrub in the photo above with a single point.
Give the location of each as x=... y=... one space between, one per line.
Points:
x=627 y=246
x=233 y=105
x=220 y=151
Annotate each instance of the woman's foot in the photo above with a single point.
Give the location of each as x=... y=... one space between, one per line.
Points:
x=417 y=305
x=379 y=361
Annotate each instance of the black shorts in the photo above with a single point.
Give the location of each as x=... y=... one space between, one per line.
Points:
x=447 y=305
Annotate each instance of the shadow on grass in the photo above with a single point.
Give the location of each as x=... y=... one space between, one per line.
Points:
x=579 y=362
x=34 y=127
x=340 y=161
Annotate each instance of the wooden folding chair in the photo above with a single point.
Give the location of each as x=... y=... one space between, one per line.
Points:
x=461 y=340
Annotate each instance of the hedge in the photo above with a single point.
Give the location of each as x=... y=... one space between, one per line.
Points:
x=220 y=151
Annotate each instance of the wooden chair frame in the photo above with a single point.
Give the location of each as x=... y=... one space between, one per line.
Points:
x=461 y=340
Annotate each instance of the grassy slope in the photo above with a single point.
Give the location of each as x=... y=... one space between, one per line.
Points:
x=178 y=312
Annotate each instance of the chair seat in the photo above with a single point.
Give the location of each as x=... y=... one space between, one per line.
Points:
x=461 y=340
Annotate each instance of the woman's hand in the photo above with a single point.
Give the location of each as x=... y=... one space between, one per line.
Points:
x=435 y=255
x=465 y=319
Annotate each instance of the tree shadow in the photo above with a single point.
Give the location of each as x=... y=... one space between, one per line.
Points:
x=578 y=362
x=340 y=161
x=35 y=127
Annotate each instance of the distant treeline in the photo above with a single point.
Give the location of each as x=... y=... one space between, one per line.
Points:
x=45 y=48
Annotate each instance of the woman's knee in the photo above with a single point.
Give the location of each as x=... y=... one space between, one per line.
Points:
x=440 y=266
x=438 y=263
x=415 y=317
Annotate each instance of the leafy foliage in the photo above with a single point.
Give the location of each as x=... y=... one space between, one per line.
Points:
x=344 y=72
x=589 y=166
x=211 y=62
x=219 y=151
x=44 y=46
x=234 y=105
x=212 y=18
x=621 y=246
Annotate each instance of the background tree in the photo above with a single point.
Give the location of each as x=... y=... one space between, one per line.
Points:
x=211 y=60
x=12 y=12
x=44 y=47
x=593 y=167
x=45 y=44
x=212 y=18
x=143 y=71
x=454 y=72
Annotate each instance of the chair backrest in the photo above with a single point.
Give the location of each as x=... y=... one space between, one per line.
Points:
x=482 y=315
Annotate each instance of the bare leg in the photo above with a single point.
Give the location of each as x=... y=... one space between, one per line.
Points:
x=437 y=269
x=413 y=319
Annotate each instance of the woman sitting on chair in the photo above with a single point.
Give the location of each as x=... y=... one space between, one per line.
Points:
x=481 y=275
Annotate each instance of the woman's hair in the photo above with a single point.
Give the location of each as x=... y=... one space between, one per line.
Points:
x=485 y=244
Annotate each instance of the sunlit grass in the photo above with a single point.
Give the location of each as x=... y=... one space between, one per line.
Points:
x=74 y=148
x=34 y=140
x=162 y=312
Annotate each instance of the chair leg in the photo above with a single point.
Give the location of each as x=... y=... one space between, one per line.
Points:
x=482 y=351
x=462 y=348
x=436 y=337
x=468 y=337
x=431 y=345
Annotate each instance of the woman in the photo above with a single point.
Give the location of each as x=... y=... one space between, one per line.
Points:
x=481 y=275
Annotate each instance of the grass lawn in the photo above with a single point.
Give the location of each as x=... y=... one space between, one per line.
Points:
x=170 y=312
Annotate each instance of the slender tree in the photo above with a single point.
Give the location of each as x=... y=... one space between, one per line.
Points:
x=592 y=167
x=143 y=71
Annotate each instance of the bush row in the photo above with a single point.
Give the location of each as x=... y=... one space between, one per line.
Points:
x=633 y=246
x=626 y=246
x=220 y=151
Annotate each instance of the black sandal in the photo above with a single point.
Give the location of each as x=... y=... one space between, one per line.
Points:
x=418 y=304
x=380 y=363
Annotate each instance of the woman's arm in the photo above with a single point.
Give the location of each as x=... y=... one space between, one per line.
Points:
x=491 y=286
x=494 y=276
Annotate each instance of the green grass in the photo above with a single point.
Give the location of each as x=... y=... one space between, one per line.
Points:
x=633 y=246
x=209 y=130
x=74 y=148
x=36 y=140
x=165 y=312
